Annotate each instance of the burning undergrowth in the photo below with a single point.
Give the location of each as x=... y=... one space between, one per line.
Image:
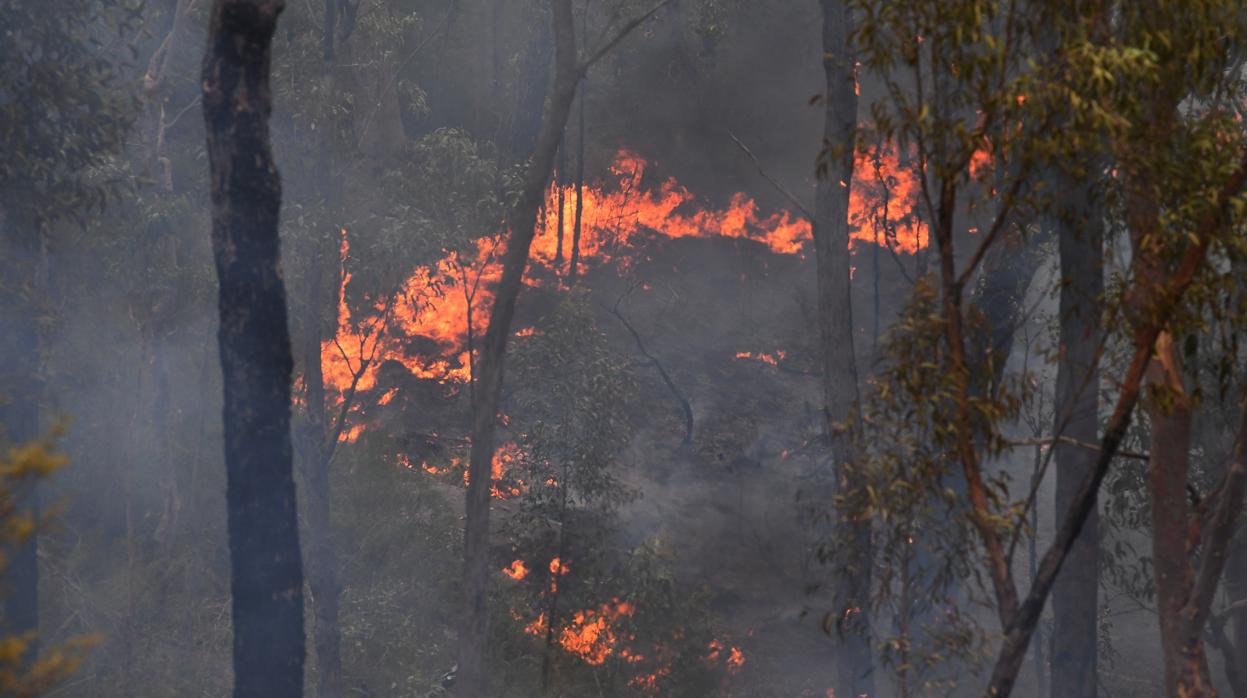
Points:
x=605 y=508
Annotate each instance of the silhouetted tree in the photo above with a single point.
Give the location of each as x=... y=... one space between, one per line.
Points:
x=850 y=605
x=256 y=361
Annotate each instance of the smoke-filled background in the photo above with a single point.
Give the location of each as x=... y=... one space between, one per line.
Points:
x=660 y=504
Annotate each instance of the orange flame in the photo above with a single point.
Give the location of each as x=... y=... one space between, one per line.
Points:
x=447 y=303
x=590 y=635
x=772 y=359
x=517 y=570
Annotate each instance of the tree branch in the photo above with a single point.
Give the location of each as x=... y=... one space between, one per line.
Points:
x=666 y=378
x=778 y=187
x=623 y=32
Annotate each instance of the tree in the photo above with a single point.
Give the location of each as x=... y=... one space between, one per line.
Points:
x=978 y=81
x=575 y=425
x=569 y=68
x=67 y=122
x=256 y=360
x=1075 y=593
x=850 y=607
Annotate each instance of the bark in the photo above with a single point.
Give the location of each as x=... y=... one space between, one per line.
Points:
x=1168 y=469
x=254 y=343
x=852 y=658
x=1076 y=591
x=473 y=676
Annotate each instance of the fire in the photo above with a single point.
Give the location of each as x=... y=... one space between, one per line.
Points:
x=505 y=457
x=590 y=635
x=649 y=683
x=447 y=303
x=772 y=359
x=558 y=569
x=735 y=658
x=517 y=570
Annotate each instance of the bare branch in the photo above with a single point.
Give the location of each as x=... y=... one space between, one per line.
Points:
x=675 y=391
x=773 y=182
x=623 y=32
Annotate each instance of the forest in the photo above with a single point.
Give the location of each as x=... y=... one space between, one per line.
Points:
x=637 y=348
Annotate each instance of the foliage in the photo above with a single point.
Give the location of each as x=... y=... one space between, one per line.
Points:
x=22 y=467
x=62 y=113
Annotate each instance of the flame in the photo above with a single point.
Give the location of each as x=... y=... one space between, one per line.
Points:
x=517 y=570
x=558 y=568
x=772 y=359
x=649 y=683
x=505 y=457
x=447 y=303
x=735 y=657
x=590 y=635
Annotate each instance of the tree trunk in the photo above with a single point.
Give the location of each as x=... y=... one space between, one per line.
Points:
x=580 y=187
x=852 y=657
x=317 y=452
x=1076 y=591
x=256 y=361
x=560 y=180
x=1236 y=591
x=1168 y=470
x=473 y=676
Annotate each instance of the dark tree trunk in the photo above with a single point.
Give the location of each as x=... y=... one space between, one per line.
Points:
x=852 y=658
x=256 y=361
x=560 y=180
x=580 y=187
x=473 y=676
x=1076 y=591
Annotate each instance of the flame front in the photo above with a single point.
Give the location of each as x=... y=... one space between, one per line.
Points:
x=447 y=303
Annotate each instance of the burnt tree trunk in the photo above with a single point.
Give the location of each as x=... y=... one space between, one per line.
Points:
x=1076 y=590
x=577 y=218
x=256 y=362
x=473 y=676
x=852 y=657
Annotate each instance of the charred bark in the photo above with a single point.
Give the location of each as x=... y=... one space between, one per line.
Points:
x=851 y=596
x=254 y=343
x=1075 y=594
